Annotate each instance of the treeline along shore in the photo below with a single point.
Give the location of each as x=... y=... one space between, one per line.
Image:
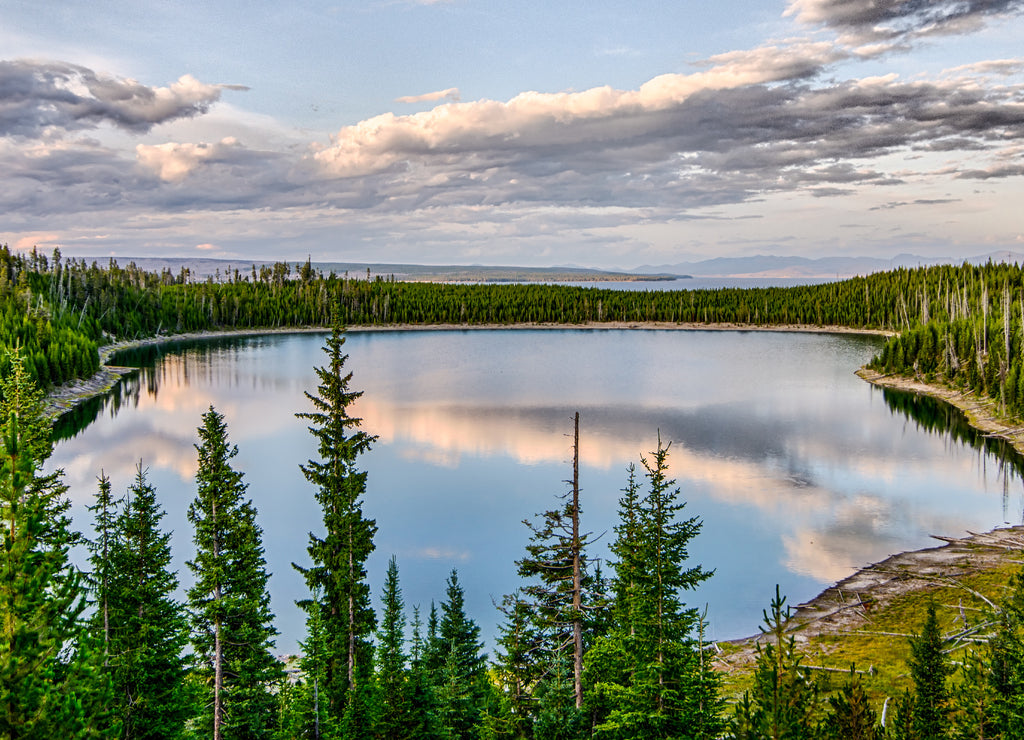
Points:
x=587 y=650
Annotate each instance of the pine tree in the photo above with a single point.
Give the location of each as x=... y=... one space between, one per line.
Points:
x=1006 y=659
x=516 y=670
x=850 y=715
x=392 y=671
x=339 y=557
x=232 y=622
x=422 y=701
x=461 y=680
x=49 y=672
x=929 y=669
x=650 y=674
x=783 y=700
x=559 y=590
x=104 y=511
x=304 y=711
x=144 y=628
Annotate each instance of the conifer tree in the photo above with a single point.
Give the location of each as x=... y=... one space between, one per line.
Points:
x=929 y=669
x=516 y=670
x=232 y=632
x=392 y=671
x=422 y=702
x=1006 y=659
x=49 y=672
x=559 y=587
x=850 y=715
x=304 y=711
x=461 y=682
x=144 y=627
x=338 y=558
x=649 y=674
x=104 y=511
x=783 y=700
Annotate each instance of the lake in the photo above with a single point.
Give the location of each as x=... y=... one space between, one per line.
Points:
x=800 y=471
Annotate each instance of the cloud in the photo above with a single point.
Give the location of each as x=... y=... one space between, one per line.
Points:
x=751 y=122
x=173 y=162
x=38 y=97
x=873 y=21
x=452 y=93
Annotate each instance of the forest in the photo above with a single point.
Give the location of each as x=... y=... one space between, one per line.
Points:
x=586 y=650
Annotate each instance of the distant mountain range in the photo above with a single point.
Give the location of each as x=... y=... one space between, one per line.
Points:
x=758 y=266
x=770 y=266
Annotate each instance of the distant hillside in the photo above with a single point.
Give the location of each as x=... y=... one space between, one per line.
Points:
x=770 y=266
x=201 y=268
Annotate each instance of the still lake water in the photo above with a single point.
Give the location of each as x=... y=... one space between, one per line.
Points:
x=800 y=471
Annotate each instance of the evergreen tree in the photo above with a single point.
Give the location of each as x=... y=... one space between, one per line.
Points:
x=232 y=622
x=1006 y=659
x=392 y=671
x=339 y=557
x=650 y=674
x=559 y=590
x=144 y=628
x=516 y=670
x=929 y=669
x=974 y=713
x=104 y=511
x=422 y=701
x=49 y=672
x=850 y=716
x=783 y=700
x=304 y=711
x=461 y=682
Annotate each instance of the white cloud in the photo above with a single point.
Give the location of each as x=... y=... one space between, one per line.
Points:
x=173 y=162
x=452 y=94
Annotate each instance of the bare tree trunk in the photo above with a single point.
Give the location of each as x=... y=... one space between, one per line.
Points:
x=218 y=649
x=218 y=675
x=577 y=574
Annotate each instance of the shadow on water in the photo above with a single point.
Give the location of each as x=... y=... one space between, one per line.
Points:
x=938 y=417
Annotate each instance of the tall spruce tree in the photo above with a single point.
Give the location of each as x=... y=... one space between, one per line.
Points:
x=50 y=683
x=232 y=630
x=338 y=569
x=649 y=675
x=143 y=628
x=392 y=662
x=104 y=510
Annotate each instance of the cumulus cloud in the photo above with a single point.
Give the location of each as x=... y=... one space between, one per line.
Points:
x=595 y=117
x=452 y=93
x=173 y=162
x=874 y=21
x=37 y=97
x=749 y=123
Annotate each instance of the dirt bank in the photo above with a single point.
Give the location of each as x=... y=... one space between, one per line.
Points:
x=982 y=413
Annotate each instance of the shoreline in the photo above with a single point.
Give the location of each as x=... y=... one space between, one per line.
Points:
x=832 y=611
x=64 y=398
x=982 y=413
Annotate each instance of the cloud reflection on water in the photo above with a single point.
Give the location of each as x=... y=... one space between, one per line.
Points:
x=797 y=469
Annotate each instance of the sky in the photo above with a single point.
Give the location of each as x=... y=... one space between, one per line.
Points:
x=600 y=134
